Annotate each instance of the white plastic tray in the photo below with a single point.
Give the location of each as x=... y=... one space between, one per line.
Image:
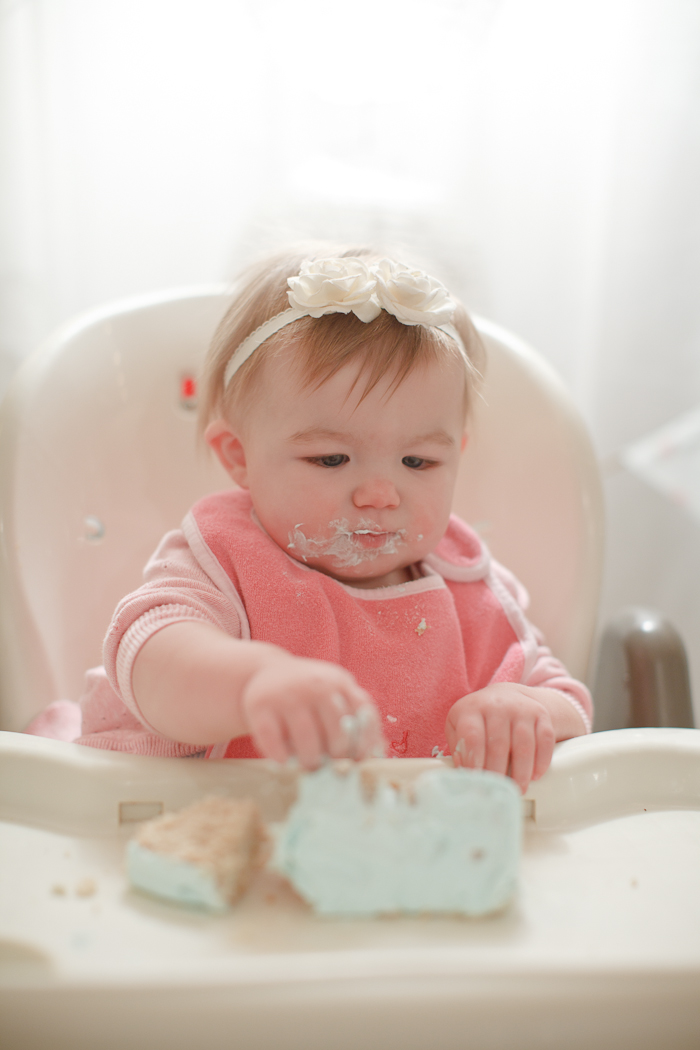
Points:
x=601 y=946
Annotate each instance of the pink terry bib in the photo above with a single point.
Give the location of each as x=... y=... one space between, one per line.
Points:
x=416 y=648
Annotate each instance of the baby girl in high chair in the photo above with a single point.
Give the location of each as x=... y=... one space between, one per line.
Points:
x=330 y=605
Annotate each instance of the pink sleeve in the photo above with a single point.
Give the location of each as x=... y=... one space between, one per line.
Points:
x=549 y=672
x=543 y=668
x=175 y=588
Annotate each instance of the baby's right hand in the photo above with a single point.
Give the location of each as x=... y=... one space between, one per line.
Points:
x=311 y=709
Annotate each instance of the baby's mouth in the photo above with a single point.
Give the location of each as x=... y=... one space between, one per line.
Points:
x=370 y=539
x=348 y=547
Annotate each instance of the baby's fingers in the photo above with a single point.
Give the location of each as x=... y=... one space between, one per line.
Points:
x=370 y=739
x=470 y=749
x=498 y=743
x=351 y=725
x=522 y=754
x=545 y=739
x=304 y=736
x=361 y=733
x=268 y=737
x=330 y=714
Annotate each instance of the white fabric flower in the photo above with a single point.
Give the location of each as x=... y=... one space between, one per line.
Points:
x=334 y=286
x=411 y=295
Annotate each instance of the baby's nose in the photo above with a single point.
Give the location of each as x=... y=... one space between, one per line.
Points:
x=376 y=492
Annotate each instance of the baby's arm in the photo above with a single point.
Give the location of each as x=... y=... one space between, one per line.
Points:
x=194 y=683
x=511 y=728
x=175 y=656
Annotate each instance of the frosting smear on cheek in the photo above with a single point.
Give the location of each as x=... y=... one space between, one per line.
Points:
x=348 y=547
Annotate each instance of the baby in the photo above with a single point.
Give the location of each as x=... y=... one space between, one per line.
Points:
x=330 y=604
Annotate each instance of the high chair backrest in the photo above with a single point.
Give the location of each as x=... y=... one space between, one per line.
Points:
x=100 y=459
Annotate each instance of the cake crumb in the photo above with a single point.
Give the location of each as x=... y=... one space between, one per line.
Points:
x=422 y=627
x=391 y=718
x=86 y=888
x=58 y=890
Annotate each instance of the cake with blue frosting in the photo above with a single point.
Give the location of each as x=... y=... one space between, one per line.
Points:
x=361 y=844
x=203 y=856
x=361 y=839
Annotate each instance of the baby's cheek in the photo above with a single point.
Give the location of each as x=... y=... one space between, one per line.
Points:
x=315 y=504
x=429 y=526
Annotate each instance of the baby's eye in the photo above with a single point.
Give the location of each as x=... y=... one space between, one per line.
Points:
x=330 y=461
x=416 y=462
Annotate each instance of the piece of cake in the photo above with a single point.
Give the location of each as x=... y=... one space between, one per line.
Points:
x=203 y=856
x=357 y=844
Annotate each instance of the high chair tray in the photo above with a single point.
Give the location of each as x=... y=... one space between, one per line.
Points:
x=600 y=948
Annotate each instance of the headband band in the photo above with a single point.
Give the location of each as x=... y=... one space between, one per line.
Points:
x=348 y=285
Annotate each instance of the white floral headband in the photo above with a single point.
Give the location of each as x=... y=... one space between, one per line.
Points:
x=348 y=285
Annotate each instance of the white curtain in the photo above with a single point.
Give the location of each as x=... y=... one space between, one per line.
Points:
x=544 y=156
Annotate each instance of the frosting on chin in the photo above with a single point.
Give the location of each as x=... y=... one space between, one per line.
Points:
x=448 y=842
x=348 y=548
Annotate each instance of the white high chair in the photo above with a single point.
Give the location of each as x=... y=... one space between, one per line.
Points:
x=99 y=460
x=97 y=439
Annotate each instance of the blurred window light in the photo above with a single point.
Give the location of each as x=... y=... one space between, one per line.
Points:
x=669 y=460
x=341 y=183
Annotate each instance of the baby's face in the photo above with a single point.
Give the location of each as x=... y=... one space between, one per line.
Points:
x=357 y=489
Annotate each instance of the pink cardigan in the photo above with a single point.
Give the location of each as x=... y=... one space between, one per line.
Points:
x=417 y=647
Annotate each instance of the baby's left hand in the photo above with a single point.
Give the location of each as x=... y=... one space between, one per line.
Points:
x=502 y=728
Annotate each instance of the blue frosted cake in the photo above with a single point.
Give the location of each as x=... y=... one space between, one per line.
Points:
x=358 y=841
x=204 y=856
x=357 y=844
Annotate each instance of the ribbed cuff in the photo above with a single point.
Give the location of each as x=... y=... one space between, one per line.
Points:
x=135 y=638
x=578 y=706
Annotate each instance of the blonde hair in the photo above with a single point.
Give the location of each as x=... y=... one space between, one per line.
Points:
x=382 y=347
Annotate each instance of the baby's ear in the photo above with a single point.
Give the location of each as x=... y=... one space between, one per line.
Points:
x=229 y=450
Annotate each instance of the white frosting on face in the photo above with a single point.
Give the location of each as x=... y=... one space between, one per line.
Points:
x=344 y=545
